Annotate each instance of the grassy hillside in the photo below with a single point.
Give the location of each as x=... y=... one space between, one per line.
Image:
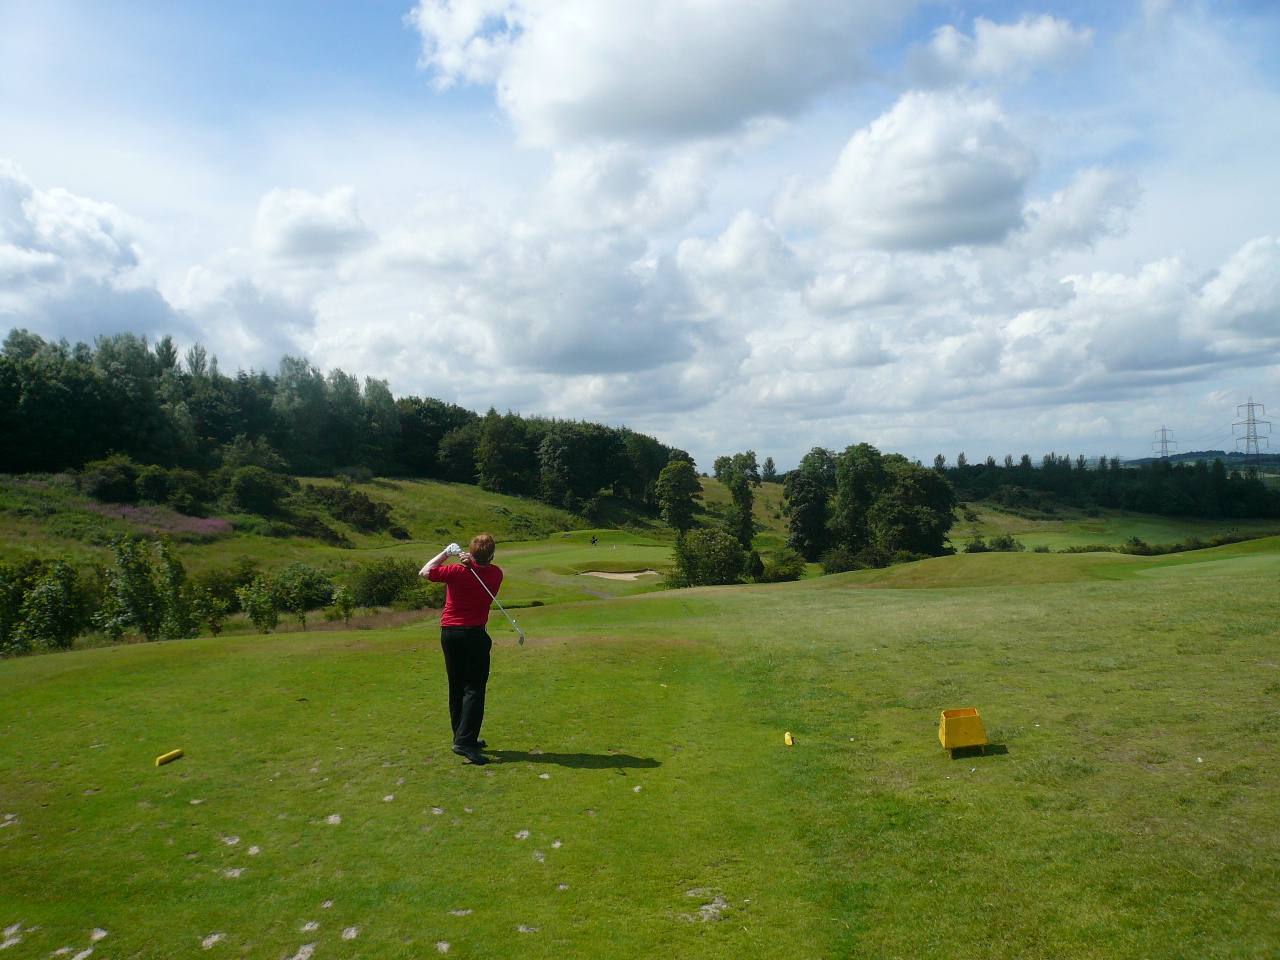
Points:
x=1075 y=528
x=645 y=804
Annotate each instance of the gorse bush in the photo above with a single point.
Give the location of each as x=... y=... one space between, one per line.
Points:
x=379 y=582
x=785 y=565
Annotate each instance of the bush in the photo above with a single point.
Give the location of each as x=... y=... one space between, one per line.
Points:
x=113 y=480
x=258 y=490
x=378 y=582
x=259 y=601
x=421 y=596
x=975 y=544
x=301 y=585
x=785 y=565
x=840 y=560
x=1004 y=543
x=706 y=558
x=222 y=583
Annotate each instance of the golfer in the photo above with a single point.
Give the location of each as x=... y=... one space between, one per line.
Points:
x=463 y=637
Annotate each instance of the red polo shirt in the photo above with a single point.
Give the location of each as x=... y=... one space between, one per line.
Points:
x=466 y=604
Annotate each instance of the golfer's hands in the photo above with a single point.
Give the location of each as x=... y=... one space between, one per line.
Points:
x=464 y=557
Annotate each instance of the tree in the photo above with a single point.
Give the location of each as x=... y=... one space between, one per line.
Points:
x=706 y=558
x=52 y=614
x=860 y=477
x=769 y=472
x=179 y=618
x=678 y=491
x=259 y=601
x=914 y=513
x=940 y=462
x=804 y=505
x=740 y=475
x=132 y=598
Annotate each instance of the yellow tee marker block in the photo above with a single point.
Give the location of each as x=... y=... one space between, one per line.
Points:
x=168 y=757
x=786 y=738
x=962 y=728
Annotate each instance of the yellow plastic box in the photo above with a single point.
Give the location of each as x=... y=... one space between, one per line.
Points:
x=962 y=728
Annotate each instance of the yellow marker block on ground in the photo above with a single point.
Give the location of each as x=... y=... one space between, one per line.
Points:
x=962 y=728
x=168 y=757
x=786 y=738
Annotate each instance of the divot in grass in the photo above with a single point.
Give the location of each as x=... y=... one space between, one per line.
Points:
x=526 y=929
x=333 y=820
x=234 y=872
x=326 y=905
x=98 y=934
x=461 y=913
x=254 y=851
x=309 y=926
x=350 y=933
x=708 y=911
x=437 y=810
x=211 y=940
x=304 y=952
x=539 y=856
x=230 y=841
x=544 y=776
x=388 y=798
x=442 y=946
x=522 y=835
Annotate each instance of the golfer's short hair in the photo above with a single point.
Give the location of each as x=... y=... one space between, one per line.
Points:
x=482 y=548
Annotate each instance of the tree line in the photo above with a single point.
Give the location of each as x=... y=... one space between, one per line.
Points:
x=863 y=508
x=64 y=405
x=1201 y=488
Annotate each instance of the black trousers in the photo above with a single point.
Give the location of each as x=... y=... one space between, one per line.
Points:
x=466 y=660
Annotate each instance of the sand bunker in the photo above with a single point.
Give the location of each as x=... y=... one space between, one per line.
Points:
x=636 y=575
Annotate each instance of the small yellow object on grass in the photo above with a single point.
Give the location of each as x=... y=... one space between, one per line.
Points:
x=168 y=757
x=962 y=728
x=786 y=738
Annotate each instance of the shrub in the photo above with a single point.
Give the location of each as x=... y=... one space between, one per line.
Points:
x=1004 y=543
x=304 y=585
x=975 y=544
x=840 y=559
x=222 y=583
x=51 y=614
x=153 y=484
x=420 y=596
x=378 y=582
x=783 y=566
x=259 y=601
x=112 y=480
x=257 y=490
x=706 y=558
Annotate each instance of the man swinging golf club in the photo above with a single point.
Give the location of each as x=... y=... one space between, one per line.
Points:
x=469 y=587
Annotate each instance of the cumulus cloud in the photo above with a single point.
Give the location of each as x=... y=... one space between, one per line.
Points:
x=302 y=227
x=69 y=264
x=1243 y=299
x=997 y=51
x=935 y=171
x=241 y=319
x=569 y=70
x=1096 y=204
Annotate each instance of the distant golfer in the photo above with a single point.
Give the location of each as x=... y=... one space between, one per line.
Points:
x=463 y=637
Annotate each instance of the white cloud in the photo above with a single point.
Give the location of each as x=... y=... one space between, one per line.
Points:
x=569 y=70
x=1242 y=300
x=997 y=51
x=1096 y=204
x=308 y=229
x=937 y=170
x=69 y=266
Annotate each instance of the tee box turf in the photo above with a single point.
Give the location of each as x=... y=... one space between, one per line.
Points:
x=962 y=728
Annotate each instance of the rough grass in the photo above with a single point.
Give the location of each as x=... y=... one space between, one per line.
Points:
x=1126 y=811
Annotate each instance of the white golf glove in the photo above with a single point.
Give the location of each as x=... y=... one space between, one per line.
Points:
x=453 y=549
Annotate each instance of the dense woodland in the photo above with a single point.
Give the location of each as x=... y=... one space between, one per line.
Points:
x=64 y=405
x=1201 y=488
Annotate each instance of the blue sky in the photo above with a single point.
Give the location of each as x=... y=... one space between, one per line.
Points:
x=978 y=226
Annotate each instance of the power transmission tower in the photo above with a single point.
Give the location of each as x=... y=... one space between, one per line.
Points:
x=1163 y=441
x=1251 y=423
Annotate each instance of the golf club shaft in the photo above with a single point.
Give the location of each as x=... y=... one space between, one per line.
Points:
x=495 y=600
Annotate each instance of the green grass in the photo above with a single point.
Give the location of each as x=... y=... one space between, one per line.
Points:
x=1075 y=529
x=1128 y=810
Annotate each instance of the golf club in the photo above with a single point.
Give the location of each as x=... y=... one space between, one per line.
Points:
x=455 y=550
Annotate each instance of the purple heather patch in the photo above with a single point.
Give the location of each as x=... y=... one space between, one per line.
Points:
x=159 y=520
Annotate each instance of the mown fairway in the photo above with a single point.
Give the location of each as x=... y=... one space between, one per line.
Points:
x=1127 y=811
